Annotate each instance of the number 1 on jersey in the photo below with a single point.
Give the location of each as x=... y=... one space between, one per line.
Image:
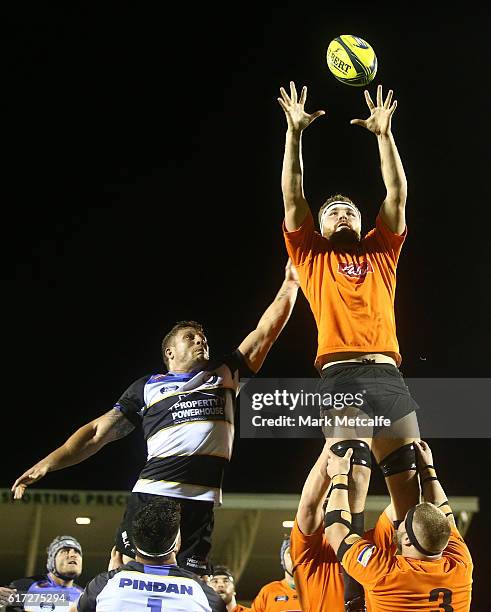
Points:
x=154 y=604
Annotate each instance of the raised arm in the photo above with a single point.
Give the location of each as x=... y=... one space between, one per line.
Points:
x=85 y=442
x=432 y=489
x=296 y=207
x=256 y=345
x=393 y=207
x=310 y=513
x=338 y=515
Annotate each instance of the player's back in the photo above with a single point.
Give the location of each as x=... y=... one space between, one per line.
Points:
x=396 y=583
x=423 y=586
x=136 y=588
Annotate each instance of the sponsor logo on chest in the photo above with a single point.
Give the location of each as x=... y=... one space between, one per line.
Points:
x=355 y=269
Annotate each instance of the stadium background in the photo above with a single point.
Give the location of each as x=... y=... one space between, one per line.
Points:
x=144 y=151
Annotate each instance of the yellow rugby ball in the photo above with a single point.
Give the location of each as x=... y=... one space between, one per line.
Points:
x=352 y=60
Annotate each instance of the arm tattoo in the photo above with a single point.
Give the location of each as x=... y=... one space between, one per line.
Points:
x=282 y=295
x=116 y=424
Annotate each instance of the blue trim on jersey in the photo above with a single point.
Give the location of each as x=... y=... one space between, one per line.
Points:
x=160 y=570
x=47 y=585
x=170 y=376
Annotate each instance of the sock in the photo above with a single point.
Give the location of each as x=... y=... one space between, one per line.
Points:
x=352 y=588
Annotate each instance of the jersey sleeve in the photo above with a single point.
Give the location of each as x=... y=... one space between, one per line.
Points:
x=88 y=600
x=389 y=242
x=132 y=401
x=22 y=586
x=236 y=362
x=305 y=548
x=364 y=561
x=457 y=549
x=303 y=242
x=382 y=535
x=259 y=604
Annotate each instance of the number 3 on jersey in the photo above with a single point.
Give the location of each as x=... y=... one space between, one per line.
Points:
x=435 y=596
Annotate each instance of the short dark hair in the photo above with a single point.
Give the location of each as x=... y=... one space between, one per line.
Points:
x=156 y=524
x=432 y=525
x=169 y=337
x=339 y=197
x=222 y=570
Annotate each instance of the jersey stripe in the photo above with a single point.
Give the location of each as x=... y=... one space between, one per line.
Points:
x=203 y=470
x=180 y=490
x=201 y=437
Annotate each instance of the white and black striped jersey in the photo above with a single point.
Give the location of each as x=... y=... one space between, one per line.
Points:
x=188 y=424
x=151 y=588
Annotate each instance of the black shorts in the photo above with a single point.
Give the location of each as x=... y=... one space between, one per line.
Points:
x=197 y=520
x=380 y=388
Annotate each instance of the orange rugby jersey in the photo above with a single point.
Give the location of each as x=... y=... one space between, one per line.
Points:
x=395 y=583
x=276 y=596
x=241 y=608
x=351 y=295
x=318 y=574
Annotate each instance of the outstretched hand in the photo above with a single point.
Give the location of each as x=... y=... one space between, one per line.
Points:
x=29 y=477
x=380 y=118
x=7 y=596
x=293 y=106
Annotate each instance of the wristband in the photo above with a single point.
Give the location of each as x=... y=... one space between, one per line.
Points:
x=339 y=481
x=338 y=516
x=430 y=474
x=445 y=508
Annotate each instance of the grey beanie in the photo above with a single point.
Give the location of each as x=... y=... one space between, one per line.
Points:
x=285 y=545
x=63 y=541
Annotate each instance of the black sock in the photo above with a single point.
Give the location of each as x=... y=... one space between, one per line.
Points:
x=358 y=522
x=352 y=588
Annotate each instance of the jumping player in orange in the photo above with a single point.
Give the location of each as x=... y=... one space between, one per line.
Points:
x=350 y=284
x=422 y=566
x=317 y=572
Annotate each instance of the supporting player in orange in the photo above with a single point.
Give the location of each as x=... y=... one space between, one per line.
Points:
x=422 y=566
x=279 y=595
x=318 y=574
x=350 y=284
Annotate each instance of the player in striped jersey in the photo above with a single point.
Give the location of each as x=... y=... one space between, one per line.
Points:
x=187 y=418
x=153 y=582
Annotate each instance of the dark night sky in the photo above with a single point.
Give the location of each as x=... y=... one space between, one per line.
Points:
x=145 y=150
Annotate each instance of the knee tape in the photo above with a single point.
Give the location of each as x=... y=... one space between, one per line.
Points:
x=361 y=451
x=401 y=460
